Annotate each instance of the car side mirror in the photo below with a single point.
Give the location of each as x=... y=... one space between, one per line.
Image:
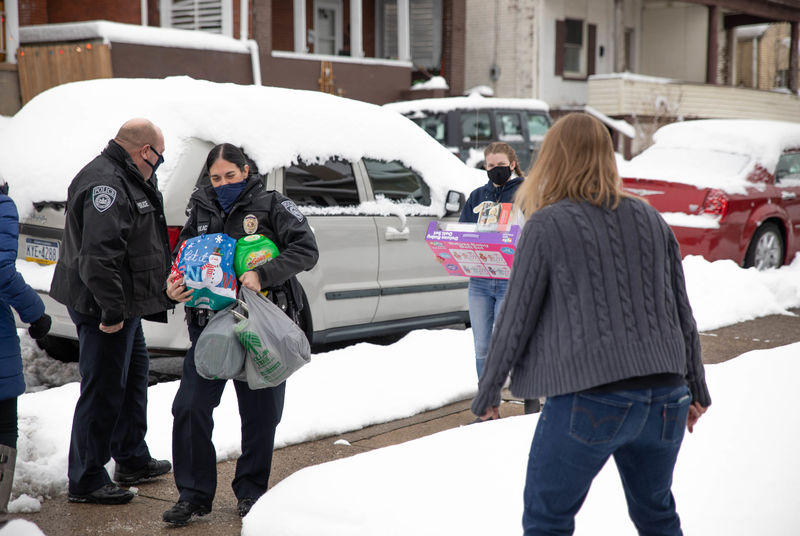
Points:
x=454 y=202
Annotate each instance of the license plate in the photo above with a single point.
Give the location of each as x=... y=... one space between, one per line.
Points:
x=41 y=251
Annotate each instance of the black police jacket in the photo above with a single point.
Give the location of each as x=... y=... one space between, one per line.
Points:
x=115 y=254
x=258 y=211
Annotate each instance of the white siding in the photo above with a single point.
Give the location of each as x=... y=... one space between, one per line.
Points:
x=674 y=41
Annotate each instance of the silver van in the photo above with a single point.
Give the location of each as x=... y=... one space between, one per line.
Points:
x=368 y=180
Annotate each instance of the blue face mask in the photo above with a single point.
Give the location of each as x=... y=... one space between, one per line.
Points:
x=227 y=194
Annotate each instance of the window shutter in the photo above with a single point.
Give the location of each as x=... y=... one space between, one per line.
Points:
x=203 y=15
x=561 y=31
x=591 y=51
x=426 y=30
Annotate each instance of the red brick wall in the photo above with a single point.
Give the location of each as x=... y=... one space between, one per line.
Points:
x=32 y=12
x=126 y=11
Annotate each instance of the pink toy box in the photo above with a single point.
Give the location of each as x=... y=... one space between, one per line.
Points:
x=465 y=251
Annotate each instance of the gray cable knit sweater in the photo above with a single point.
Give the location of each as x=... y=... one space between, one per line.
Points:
x=595 y=296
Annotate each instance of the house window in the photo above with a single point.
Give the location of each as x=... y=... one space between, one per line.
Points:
x=575 y=48
x=425 y=29
x=327 y=27
x=212 y=16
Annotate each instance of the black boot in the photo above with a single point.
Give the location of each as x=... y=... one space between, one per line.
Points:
x=183 y=511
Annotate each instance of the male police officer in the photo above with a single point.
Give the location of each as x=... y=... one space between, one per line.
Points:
x=115 y=258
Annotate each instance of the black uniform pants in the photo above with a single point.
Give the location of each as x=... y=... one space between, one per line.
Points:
x=111 y=414
x=193 y=455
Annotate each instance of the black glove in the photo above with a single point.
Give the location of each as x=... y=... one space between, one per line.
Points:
x=41 y=327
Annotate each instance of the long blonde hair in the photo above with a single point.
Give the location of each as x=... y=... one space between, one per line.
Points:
x=576 y=162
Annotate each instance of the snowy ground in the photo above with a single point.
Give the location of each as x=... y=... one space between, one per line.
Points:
x=740 y=449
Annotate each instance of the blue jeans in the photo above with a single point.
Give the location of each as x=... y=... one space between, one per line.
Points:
x=577 y=433
x=485 y=298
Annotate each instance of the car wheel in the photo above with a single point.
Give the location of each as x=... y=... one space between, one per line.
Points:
x=59 y=348
x=766 y=248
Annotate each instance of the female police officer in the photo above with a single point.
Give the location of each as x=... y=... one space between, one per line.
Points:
x=237 y=204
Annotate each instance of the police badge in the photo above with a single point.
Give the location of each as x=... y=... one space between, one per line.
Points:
x=250 y=224
x=103 y=197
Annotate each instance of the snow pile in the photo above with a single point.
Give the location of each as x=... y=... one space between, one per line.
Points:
x=275 y=126
x=737 y=474
x=42 y=371
x=20 y=527
x=435 y=82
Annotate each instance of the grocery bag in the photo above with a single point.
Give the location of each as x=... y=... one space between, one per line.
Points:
x=275 y=346
x=218 y=354
x=206 y=264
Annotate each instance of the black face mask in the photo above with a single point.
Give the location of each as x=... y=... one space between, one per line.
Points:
x=499 y=175
x=158 y=162
x=4 y=189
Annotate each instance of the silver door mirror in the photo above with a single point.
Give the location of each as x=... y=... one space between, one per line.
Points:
x=454 y=202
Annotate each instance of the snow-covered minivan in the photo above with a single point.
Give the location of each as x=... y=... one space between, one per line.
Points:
x=368 y=179
x=466 y=125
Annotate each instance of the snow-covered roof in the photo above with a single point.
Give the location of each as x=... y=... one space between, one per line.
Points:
x=472 y=102
x=633 y=77
x=625 y=128
x=714 y=153
x=60 y=130
x=129 y=33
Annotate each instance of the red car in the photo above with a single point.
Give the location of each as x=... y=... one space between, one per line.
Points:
x=729 y=189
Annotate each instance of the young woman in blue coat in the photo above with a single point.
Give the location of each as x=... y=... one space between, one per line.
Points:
x=14 y=292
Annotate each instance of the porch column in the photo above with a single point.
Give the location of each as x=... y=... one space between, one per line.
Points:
x=12 y=30
x=619 y=37
x=403 y=30
x=356 y=29
x=793 y=64
x=713 y=45
x=299 y=17
x=730 y=39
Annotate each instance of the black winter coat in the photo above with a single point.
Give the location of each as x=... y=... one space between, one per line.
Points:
x=258 y=211
x=489 y=192
x=115 y=255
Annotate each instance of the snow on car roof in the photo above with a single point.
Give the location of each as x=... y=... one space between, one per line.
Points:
x=714 y=153
x=59 y=131
x=471 y=102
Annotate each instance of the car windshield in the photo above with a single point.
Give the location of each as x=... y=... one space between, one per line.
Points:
x=700 y=167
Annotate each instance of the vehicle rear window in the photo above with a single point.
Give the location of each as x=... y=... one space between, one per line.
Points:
x=537 y=126
x=510 y=126
x=787 y=171
x=475 y=126
x=434 y=125
x=396 y=182
x=329 y=184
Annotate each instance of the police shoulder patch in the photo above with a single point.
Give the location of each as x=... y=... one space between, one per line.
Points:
x=292 y=209
x=103 y=197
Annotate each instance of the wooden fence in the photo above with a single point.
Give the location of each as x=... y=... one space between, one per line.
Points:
x=44 y=66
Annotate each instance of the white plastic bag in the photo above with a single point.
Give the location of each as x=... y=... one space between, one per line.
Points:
x=218 y=354
x=275 y=346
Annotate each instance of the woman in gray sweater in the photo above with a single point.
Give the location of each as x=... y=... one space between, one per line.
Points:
x=597 y=319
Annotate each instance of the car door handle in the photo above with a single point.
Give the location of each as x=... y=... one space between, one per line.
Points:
x=393 y=234
x=787 y=196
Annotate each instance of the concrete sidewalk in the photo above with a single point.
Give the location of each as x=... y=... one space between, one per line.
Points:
x=143 y=515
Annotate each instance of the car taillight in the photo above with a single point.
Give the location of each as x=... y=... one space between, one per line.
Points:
x=715 y=203
x=174 y=233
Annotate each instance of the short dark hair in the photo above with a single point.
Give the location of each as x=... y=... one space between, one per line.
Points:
x=228 y=152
